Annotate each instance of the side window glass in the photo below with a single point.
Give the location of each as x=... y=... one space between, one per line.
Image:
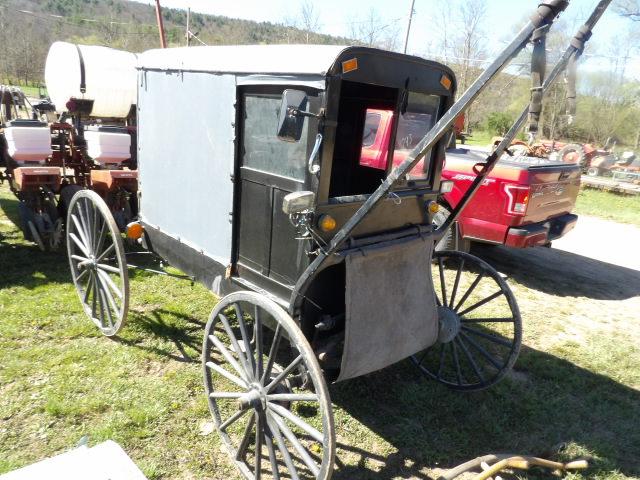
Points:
x=419 y=117
x=374 y=139
x=262 y=149
x=371 y=125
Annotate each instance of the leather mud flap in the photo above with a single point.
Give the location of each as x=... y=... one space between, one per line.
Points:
x=391 y=308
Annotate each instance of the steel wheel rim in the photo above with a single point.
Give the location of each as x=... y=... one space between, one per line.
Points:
x=97 y=262
x=289 y=444
x=471 y=355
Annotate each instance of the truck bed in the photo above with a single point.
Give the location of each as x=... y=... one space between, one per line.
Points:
x=519 y=199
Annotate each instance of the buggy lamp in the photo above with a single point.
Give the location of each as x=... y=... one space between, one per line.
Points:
x=298 y=202
x=446 y=186
x=134 y=231
x=433 y=207
x=326 y=223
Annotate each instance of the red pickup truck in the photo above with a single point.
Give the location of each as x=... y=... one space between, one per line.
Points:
x=524 y=201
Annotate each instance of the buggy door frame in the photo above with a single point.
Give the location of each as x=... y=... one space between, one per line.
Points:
x=242 y=272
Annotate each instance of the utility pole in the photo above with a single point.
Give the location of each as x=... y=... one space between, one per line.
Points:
x=163 y=41
x=406 y=38
x=188 y=29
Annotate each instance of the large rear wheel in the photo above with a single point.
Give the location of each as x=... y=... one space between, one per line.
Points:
x=97 y=260
x=480 y=329
x=266 y=392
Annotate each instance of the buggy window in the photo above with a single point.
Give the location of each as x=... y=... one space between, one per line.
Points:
x=371 y=125
x=420 y=116
x=262 y=149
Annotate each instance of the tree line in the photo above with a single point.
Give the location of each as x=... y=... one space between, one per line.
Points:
x=608 y=101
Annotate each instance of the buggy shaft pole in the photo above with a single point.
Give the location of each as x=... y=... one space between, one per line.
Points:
x=542 y=17
x=492 y=159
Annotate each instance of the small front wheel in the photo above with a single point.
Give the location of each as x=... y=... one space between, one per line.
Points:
x=480 y=329
x=268 y=398
x=97 y=260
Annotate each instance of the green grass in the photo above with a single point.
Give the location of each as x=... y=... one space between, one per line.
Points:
x=608 y=205
x=577 y=381
x=33 y=92
x=30 y=91
x=479 y=138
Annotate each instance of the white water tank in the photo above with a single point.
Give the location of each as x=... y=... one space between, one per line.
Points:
x=108 y=145
x=109 y=78
x=28 y=143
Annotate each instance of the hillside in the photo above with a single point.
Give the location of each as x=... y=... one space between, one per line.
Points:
x=28 y=27
x=607 y=110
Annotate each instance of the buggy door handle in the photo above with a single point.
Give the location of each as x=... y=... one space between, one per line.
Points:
x=313 y=168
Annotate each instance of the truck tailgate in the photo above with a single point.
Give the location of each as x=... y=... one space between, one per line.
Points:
x=554 y=189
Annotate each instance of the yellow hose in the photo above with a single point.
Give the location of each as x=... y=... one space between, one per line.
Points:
x=524 y=463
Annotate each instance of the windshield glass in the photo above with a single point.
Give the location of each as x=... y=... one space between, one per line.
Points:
x=418 y=118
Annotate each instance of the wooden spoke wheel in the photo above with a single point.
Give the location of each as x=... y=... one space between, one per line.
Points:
x=267 y=395
x=97 y=260
x=480 y=329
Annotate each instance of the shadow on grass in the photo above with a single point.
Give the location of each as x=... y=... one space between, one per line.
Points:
x=22 y=264
x=562 y=273
x=547 y=402
x=550 y=401
x=185 y=334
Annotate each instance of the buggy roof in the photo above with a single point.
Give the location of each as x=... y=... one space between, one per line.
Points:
x=245 y=59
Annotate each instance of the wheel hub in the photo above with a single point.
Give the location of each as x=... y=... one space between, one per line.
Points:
x=449 y=324
x=255 y=398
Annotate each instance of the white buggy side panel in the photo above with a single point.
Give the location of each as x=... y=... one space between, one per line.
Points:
x=185 y=157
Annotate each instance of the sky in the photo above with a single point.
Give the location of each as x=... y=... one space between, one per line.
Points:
x=337 y=16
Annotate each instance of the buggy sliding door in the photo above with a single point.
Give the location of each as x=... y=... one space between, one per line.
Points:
x=269 y=169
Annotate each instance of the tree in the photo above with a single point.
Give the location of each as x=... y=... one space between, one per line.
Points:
x=372 y=31
x=462 y=38
x=310 y=18
x=628 y=8
x=499 y=123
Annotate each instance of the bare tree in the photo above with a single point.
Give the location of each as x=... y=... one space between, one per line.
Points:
x=310 y=18
x=629 y=9
x=461 y=28
x=470 y=41
x=372 y=31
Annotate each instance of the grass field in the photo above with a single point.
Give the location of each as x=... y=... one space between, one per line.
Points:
x=577 y=381
x=611 y=206
x=479 y=138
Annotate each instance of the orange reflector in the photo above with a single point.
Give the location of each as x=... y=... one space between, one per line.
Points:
x=434 y=207
x=327 y=223
x=445 y=82
x=134 y=231
x=349 y=65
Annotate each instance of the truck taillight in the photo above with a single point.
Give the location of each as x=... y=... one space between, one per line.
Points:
x=518 y=199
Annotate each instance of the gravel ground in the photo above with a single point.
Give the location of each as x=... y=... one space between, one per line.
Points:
x=604 y=240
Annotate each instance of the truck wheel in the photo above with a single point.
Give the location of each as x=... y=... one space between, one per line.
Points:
x=452 y=240
x=593 y=171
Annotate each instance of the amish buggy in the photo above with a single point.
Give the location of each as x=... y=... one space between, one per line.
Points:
x=253 y=181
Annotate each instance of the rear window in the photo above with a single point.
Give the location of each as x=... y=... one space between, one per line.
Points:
x=419 y=117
